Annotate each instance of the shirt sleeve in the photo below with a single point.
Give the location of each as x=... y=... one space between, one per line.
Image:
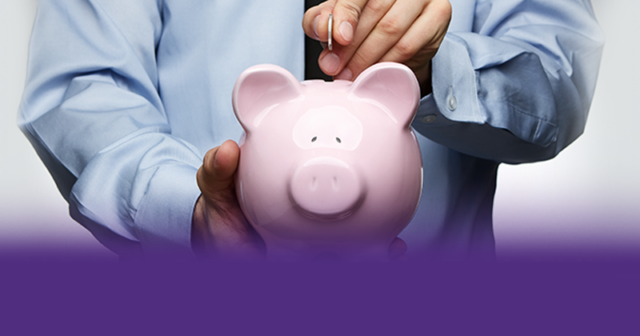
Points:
x=92 y=111
x=518 y=87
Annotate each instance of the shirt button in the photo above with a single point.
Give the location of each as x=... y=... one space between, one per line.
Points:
x=452 y=102
x=429 y=119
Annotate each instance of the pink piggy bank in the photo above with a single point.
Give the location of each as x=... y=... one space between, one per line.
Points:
x=328 y=167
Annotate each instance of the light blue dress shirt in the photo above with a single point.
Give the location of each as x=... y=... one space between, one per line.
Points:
x=123 y=98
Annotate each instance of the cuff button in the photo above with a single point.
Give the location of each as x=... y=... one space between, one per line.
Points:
x=429 y=119
x=452 y=102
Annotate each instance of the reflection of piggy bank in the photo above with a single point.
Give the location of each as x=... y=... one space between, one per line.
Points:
x=328 y=167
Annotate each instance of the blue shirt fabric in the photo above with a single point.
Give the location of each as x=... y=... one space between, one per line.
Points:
x=124 y=98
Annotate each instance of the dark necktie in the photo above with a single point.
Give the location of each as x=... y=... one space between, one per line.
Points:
x=312 y=50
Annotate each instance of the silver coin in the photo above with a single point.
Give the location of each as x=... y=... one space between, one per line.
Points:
x=330 y=40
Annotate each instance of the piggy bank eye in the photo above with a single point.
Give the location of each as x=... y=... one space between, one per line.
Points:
x=327 y=127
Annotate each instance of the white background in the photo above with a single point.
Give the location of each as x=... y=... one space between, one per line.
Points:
x=586 y=197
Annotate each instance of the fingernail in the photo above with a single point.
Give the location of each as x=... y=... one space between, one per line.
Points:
x=330 y=63
x=315 y=27
x=344 y=74
x=346 y=30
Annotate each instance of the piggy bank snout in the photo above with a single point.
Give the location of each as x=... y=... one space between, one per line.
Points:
x=326 y=188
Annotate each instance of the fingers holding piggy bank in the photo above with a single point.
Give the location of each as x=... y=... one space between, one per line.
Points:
x=328 y=168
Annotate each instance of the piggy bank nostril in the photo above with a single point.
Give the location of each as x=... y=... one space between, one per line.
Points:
x=334 y=183
x=314 y=183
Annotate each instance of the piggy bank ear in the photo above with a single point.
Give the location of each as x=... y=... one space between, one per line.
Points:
x=260 y=87
x=394 y=86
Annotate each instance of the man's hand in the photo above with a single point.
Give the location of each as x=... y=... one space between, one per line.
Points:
x=372 y=31
x=219 y=227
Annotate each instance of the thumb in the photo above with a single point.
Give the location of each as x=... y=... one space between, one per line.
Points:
x=218 y=169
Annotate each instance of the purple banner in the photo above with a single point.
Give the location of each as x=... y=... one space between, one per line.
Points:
x=78 y=296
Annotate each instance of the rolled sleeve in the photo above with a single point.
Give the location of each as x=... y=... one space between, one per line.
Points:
x=517 y=88
x=166 y=221
x=93 y=111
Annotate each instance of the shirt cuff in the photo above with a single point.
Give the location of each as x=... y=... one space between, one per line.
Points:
x=453 y=77
x=454 y=92
x=456 y=99
x=163 y=220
